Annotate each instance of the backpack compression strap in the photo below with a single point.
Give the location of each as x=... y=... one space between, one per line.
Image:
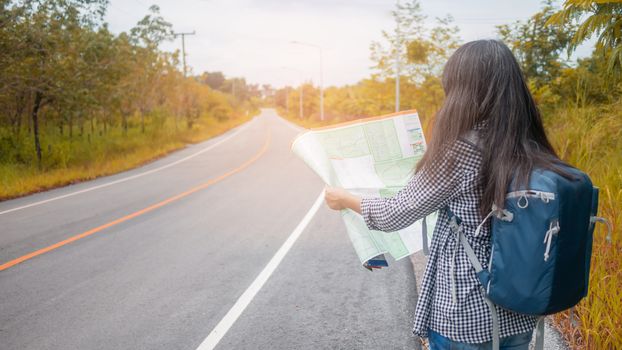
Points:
x=539 y=334
x=454 y=225
x=424 y=237
x=595 y=219
x=457 y=230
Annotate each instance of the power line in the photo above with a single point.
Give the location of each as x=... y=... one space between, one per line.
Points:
x=142 y=3
x=114 y=7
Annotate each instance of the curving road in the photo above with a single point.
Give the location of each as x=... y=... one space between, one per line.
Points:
x=205 y=248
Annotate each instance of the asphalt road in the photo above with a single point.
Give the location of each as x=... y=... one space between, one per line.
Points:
x=163 y=256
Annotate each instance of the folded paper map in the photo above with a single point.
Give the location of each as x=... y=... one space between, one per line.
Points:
x=370 y=157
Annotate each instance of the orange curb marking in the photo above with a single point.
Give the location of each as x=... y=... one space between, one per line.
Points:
x=31 y=255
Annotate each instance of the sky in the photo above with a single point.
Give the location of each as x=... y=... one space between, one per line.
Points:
x=254 y=38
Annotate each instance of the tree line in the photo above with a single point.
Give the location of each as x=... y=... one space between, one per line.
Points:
x=543 y=44
x=65 y=75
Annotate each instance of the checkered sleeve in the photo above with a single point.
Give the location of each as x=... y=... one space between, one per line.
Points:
x=430 y=189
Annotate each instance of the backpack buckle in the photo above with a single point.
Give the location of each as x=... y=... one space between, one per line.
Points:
x=506 y=215
x=453 y=224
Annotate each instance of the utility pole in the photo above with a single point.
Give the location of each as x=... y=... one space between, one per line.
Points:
x=321 y=74
x=397 y=67
x=397 y=75
x=397 y=63
x=300 y=109
x=321 y=85
x=300 y=112
x=183 y=47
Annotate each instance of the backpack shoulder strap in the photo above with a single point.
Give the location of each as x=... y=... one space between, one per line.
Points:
x=472 y=138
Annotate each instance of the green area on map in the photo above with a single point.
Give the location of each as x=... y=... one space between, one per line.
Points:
x=348 y=142
x=364 y=244
x=396 y=172
x=383 y=141
x=391 y=242
x=389 y=169
x=368 y=243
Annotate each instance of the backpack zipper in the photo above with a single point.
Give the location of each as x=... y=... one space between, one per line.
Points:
x=492 y=253
x=545 y=196
x=523 y=196
x=548 y=237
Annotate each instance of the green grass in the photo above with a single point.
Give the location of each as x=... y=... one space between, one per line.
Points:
x=79 y=158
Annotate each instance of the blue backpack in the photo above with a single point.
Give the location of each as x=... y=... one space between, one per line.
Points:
x=541 y=247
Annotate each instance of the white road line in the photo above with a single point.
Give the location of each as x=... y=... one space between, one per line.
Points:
x=130 y=177
x=236 y=310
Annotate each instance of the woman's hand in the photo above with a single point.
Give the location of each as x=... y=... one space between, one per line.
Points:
x=335 y=197
x=338 y=199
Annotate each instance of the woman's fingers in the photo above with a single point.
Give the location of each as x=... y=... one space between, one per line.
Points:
x=333 y=197
x=338 y=199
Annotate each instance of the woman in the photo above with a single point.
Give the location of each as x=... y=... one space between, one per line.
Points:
x=488 y=130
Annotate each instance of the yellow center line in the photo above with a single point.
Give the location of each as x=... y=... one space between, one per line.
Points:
x=205 y=185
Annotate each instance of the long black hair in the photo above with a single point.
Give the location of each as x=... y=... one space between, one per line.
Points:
x=483 y=83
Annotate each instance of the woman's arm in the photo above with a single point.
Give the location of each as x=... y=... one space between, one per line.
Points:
x=427 y=191
x=338 y=199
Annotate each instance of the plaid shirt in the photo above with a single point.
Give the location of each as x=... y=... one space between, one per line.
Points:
x=467 y=320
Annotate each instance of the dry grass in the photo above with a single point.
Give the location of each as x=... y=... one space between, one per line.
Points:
x=591 y=139
x=307 y=123
x=77 y=159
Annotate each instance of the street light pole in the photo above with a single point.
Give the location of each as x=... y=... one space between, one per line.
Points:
x=321 y=85
x=300 y=112
x=397 y=60
x=397 y=72
x=321 y=75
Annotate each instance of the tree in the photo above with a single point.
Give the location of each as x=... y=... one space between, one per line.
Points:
x=213 y=79
x=538 y=46
x=149 y=33
x=604 y=19
x=420 y=52
x=430 y=53
x=152 y=30
x=409 y=27
x=32 y=67
x=61 y=67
